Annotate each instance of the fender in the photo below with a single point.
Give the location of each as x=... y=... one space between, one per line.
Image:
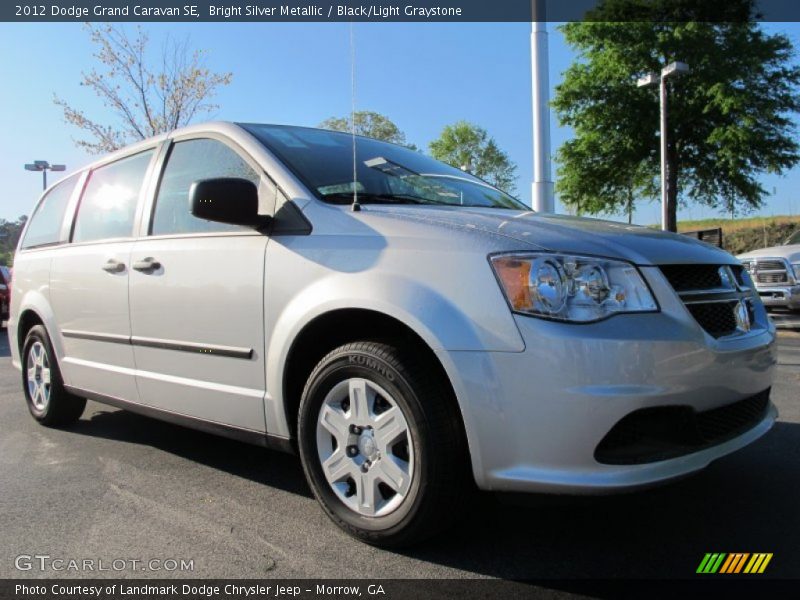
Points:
x=35 y=301
x=434 y=318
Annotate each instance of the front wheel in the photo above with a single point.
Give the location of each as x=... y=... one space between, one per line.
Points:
x=48 y=401
x=382 y=444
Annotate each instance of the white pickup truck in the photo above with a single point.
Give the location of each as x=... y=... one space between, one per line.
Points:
x=776 y=272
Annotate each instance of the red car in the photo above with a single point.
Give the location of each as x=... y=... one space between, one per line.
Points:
x=5 y=292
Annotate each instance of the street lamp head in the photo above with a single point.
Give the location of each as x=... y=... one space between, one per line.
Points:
x=43 y=165
x=675 y=69
x=647 y=80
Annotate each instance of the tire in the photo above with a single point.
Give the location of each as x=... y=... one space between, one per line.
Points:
x=397 y=467
x=47 y=400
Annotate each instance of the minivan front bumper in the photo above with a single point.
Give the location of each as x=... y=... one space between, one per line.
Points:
x=534 y=419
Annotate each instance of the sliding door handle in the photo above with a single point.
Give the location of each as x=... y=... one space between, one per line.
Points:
x=147 y=265
x=113 y=266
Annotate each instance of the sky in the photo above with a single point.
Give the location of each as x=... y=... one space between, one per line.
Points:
x=422 y=76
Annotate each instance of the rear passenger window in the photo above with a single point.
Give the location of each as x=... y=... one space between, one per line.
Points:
x=108 y=204
x=45 y=225
x=190 y=161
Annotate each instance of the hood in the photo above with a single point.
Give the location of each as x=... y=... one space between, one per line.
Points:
x=791 y=253
x=561 y=233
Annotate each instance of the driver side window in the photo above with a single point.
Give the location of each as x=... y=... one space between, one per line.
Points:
x=189 y=161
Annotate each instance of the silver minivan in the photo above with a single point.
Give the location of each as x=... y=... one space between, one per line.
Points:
x=410 y=330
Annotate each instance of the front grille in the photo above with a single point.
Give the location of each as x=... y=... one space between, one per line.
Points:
x=767 y=270
x=686 y=278
x=717 y=318
x=771 y=277
x=711 y=295
x=663 y=432
x=770 y=265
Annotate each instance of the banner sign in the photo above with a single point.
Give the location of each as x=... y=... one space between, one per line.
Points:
x=389 y=10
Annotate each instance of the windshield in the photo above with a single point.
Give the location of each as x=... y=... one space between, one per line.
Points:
x=794 y=238
x=385 y=173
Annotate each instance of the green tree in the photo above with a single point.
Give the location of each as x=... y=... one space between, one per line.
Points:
x=729 y=118
x=469 y=147
x=9 y=236
x=145 y=100
x=370 y=124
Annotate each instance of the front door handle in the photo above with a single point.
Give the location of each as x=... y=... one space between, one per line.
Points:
x=113 y=266
x=147 y=265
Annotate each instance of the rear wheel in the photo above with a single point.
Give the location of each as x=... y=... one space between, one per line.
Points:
x=382 y=444
x=48 y=401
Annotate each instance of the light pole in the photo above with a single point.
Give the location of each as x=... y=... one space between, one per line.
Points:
x=675 y=69
x=44 y=167
x=542 y=191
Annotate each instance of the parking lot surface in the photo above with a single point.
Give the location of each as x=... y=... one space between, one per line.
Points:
x=121 y=486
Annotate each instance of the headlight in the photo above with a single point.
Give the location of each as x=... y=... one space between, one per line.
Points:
x=796 y=267
x=571 y=288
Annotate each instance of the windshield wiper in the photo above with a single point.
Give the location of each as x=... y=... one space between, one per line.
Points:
x=367 y=198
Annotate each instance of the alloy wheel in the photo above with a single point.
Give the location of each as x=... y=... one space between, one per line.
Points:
x=365 y=447
x=38 y=376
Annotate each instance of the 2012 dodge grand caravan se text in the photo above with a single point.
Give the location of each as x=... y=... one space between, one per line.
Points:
x=411 y=334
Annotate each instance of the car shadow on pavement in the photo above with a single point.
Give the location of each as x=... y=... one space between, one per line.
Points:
x=276 y=469
x=746 y=502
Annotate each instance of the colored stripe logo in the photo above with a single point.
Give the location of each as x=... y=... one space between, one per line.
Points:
x=734 y=562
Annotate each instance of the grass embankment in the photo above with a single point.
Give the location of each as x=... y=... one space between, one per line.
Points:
x=743 y=235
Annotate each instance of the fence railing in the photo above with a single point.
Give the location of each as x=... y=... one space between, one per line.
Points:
x=710 y=236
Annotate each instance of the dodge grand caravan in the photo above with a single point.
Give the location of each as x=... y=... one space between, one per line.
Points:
x=410 y=330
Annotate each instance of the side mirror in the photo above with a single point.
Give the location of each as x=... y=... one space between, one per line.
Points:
x=226 y=200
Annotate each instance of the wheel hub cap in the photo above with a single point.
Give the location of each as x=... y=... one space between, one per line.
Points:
x=365 y=447
x=38 y=376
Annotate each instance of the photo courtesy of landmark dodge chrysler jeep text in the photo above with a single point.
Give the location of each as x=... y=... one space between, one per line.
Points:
x=421 y=336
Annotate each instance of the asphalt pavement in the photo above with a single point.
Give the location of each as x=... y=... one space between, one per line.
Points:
x=123 y=487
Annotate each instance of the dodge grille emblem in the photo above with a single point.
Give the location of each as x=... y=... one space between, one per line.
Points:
x=742 y=315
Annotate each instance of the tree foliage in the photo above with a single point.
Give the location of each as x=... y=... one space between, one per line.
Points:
x=469 y=147
x=370 y=124
x=9 y=236
x=145 y=99
x=729 y=118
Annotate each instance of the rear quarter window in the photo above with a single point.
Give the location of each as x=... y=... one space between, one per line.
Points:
x=45 y=225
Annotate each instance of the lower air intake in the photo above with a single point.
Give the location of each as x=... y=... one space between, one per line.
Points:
x=663 y=432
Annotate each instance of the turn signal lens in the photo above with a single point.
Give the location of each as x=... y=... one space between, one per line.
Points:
x=514 y=274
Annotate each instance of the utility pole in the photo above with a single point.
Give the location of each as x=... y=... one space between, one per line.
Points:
x=542 y=189
x=44 y=167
